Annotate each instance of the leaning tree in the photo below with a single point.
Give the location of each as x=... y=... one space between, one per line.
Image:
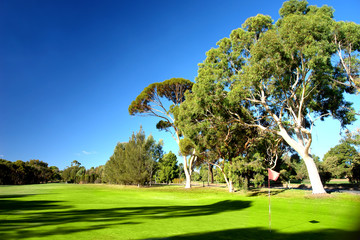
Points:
x=162 y=100
x=286 y=75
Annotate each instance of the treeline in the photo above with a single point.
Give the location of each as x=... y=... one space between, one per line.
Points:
x=79 y=174
x=30 y=172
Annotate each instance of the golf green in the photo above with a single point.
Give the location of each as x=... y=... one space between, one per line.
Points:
x=68 y=211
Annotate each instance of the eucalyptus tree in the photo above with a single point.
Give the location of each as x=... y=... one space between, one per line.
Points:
x=217 y=139
x=346 y=39
x=282 y=76
x=162 y=100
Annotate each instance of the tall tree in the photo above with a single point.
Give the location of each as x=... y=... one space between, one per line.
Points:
x=282 y=76
x=154 y=101
x=168 y=168
x=206 y=119
x=131 y=162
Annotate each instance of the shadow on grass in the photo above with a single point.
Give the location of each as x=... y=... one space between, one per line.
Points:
x=261 y=233
x=46 y=218
x=260 y=192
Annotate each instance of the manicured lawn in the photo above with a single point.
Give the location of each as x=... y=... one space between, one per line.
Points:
x=67 y=211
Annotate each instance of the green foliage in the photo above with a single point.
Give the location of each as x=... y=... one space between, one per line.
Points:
x=168 y=168
x=133 y=162
x=290 y=168
x=353 y=138
x=173 y=90
x=338 y=160
x=195 y=176
x=278 y=77
x=354 y=175
x=154 y=101
x=30 y=172
x=302 y=173
x=245 y=168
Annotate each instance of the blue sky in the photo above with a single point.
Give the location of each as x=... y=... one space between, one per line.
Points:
x=69 y=69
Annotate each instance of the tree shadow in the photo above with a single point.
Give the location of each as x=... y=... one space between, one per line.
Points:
x=35 y=215
x=261 y=233
x=16 y=196
x=262 y=192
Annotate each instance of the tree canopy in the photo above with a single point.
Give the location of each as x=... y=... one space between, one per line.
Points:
x=133 y=161
x=281 y=77
x=154 y=101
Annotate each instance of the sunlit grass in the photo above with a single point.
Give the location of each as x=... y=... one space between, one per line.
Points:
x=67 y=211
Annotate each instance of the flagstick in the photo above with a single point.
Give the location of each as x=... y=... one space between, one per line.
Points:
x=269 y=205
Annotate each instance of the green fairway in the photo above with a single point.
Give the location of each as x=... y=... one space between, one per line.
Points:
x=67 y=211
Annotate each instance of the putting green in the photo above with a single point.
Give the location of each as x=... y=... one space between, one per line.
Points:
x=67 y=211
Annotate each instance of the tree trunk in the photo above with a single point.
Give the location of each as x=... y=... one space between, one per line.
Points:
x=187 y=174
x=188 y=180
x=315 y=180
x=229 y=183
x=316 y=184
x=211 y=173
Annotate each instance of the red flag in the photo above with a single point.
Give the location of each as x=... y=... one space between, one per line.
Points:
x=273 y=175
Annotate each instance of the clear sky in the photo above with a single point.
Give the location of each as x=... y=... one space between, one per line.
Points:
x=70 y=68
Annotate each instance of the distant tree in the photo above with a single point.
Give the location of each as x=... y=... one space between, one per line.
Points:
x=338 y=160
x=44 y=173
x=204 y=172
x=69 y=174
x=154 y=100
x=133 y=161
x=287 y=166
x=168 y=168
x=7 y=172
x=20 y=172
x=181 y=171
x=55 y=176
x=353 y=138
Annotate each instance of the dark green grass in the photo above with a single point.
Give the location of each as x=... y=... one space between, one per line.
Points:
x=67 y=211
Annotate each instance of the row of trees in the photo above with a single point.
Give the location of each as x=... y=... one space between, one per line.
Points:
x=79 y=174
x=30 y=172
x=260 y=92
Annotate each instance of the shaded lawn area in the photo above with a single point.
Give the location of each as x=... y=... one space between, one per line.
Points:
x=67 y=211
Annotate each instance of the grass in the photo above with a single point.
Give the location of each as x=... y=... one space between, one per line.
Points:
x=67 y=211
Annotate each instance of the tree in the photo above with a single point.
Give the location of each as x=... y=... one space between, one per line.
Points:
x=205 y=119
x=44 y=173
x=132 y=161
x=346 y=39
x=168 y=168
x=55 y=173
x=353 y=138
x=69 y=174
x=287 y=166
x=153 y=101
x=338 y=160
x=281 y=76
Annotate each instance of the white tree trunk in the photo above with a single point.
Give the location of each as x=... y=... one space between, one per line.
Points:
x=229 y=183
x=231 y=187
x=187 y=174
x=315 y=181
